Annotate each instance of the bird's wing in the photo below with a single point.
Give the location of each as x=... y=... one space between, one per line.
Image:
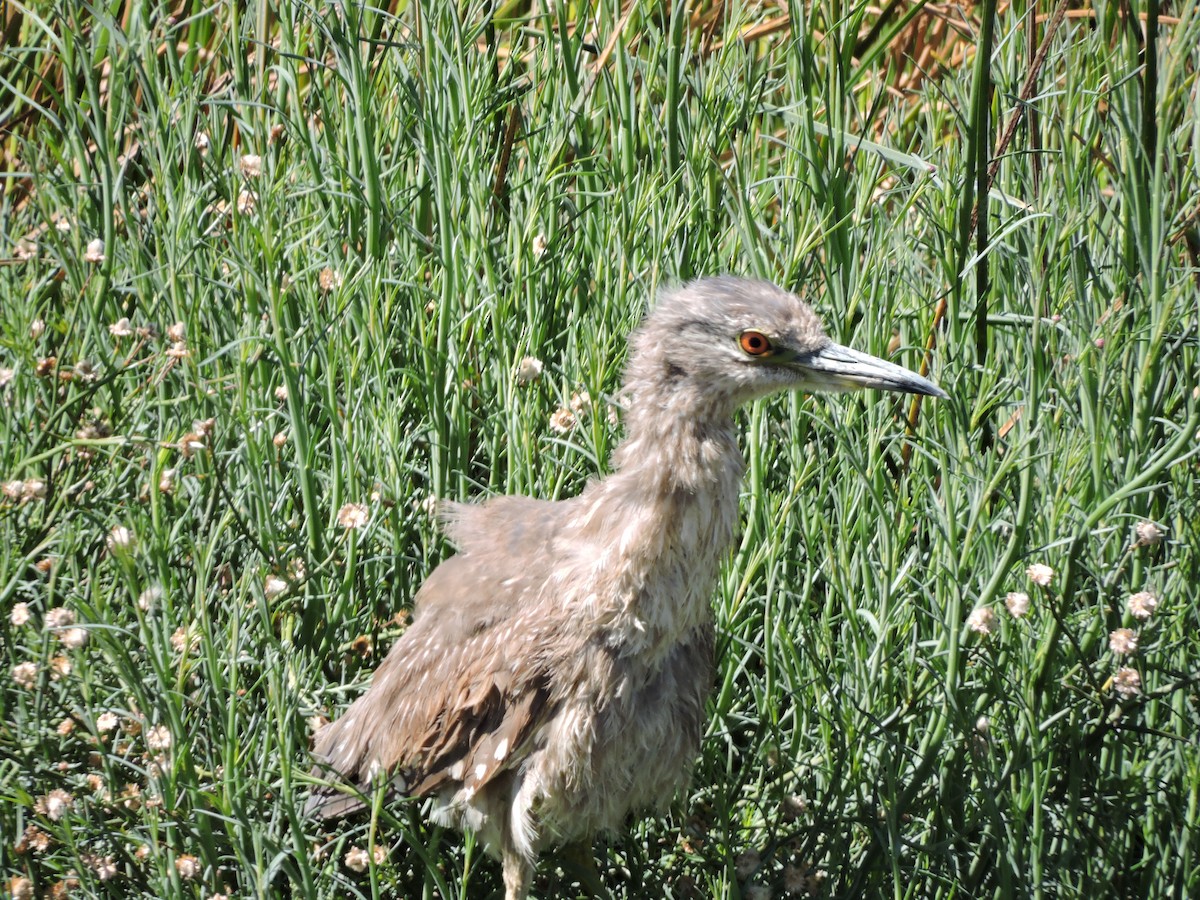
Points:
x=520 y=527
x=455 y=701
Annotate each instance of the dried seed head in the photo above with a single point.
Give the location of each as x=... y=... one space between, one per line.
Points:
x=94 y=431
x=103 y=866
x=158 y=738
x=803 y=881
x=184 y=640
x=1127 y=681
x=1123 y=641
x=1040 y=574
x=356 y=859
x=149 y=597
x=191 y=443
x=329 y=280
x=187 y=866
x=982 y=620
x=59 y=617
x=33 y=839
x=1143 y=605
x=120 y=539
x=562 y=420
x=1017 y=603
x=250 y=165
x=529 y=370
x=794 y=806
x=747 y=863
x=1148 y=534
x=55 y=804
x=25 y=675
x=131 y=799
x=94 y=253
x=581 y=402
x=353 y=515
x=247 y=203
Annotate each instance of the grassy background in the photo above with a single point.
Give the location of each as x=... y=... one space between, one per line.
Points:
x=443 y=192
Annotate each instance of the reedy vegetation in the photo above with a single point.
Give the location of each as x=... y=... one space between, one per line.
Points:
x=443 y=193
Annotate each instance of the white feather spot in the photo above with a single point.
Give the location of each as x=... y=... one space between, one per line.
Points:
x=501 y=750
x=480 y=771
x=456 y=770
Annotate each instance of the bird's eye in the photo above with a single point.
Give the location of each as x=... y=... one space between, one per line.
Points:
x=755 y=343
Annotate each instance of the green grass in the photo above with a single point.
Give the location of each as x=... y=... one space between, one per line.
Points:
x=424 y=158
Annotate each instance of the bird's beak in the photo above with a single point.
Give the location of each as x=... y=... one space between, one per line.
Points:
x=838 y=368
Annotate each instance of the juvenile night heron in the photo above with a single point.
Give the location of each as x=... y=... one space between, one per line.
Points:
x=554 y=676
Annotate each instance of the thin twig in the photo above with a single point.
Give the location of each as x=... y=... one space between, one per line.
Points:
x=1028 y=88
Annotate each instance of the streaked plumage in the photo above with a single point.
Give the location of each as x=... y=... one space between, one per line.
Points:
x=555 y=674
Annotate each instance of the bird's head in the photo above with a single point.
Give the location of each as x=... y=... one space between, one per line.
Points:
x=733 y=340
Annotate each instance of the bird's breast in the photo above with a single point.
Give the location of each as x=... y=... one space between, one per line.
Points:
x=625 y=738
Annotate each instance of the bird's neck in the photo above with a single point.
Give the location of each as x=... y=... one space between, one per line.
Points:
x=681 y=441
x=662 y=521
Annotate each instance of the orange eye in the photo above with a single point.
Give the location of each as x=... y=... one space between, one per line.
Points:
x=755 y=343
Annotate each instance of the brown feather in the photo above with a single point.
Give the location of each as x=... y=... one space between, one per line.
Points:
x=449 y=691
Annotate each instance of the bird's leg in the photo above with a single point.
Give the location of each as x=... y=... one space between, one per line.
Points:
x=518 y=875
x=581 y=861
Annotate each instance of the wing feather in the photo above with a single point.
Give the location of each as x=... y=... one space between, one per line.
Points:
x=459 y=696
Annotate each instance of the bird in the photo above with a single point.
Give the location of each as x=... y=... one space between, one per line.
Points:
x=554 y=677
